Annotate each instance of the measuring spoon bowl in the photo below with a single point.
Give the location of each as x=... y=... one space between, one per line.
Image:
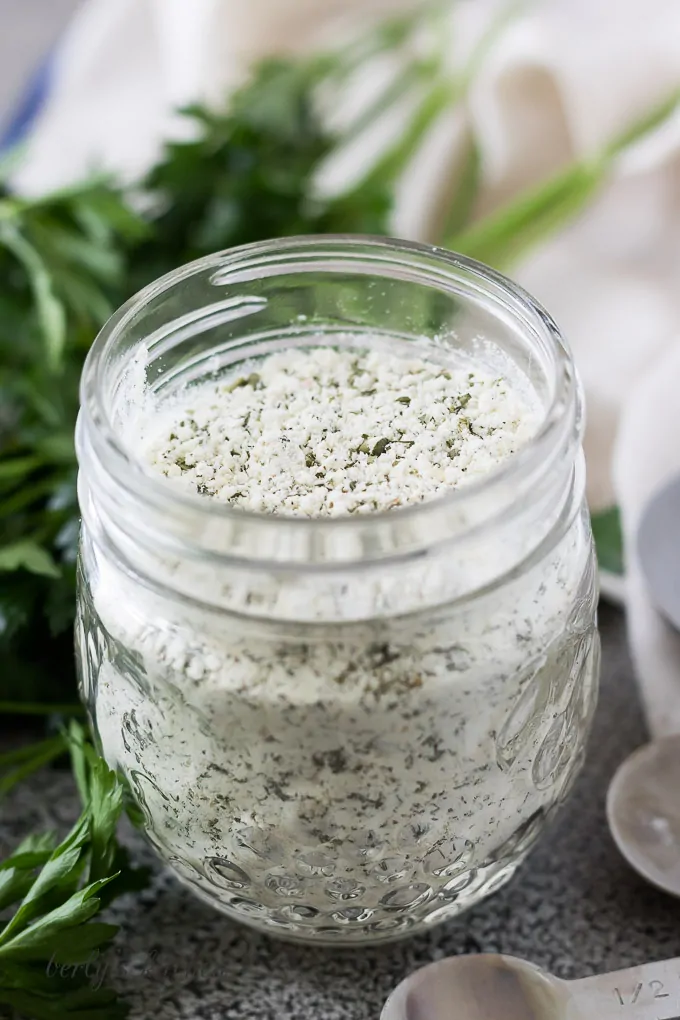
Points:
x=483 y=987
x=643 y=811
x=493 y=987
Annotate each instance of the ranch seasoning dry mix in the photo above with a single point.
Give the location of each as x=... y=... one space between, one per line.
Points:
x=372 y=767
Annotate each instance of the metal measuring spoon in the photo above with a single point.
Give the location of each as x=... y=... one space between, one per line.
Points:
x=643 y=803
x=643 y=810
x=489 y=987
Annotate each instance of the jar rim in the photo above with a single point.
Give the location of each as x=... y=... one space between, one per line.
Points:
x=429 y=263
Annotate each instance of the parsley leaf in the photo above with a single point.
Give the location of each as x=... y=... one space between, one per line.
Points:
x=609 y=540
x=61 y=888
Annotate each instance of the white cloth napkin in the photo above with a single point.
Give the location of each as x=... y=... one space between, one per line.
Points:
x=563 y=77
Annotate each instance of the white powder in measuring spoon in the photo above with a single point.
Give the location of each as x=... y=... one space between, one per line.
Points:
x=345 y=777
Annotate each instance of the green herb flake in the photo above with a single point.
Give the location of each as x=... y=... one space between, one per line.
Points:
x=380 y=447
x=245 y=380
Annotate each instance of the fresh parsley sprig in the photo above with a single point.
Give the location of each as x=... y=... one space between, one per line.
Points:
x=63 y=263
x=57 y=890
x=21 y=762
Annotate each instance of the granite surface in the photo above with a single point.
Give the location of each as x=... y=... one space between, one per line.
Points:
x=574 y=908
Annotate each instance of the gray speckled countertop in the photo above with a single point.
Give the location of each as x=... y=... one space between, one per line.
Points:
x=574 y=908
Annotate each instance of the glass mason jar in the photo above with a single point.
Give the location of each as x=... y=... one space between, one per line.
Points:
x=341 y=729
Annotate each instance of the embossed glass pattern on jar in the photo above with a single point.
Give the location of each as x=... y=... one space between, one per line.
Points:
x=342 y=729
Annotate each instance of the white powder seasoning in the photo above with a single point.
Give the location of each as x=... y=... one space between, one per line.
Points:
x=323 y=431
x=346 y=780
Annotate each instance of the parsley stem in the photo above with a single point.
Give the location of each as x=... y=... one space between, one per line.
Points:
x=40 y=708
x=24 y=753
x=540 y=211
x=394 y=91
x=393 y=162
x=387 y=36
x=40 y=754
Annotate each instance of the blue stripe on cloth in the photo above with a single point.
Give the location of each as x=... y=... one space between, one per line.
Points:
x=30 y=105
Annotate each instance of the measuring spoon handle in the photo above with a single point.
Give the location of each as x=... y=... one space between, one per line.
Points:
x=648 y=992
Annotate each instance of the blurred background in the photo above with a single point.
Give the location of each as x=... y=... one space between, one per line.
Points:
x=542 y=138
x=28 y=29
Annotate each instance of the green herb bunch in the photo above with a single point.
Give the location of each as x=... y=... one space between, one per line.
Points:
x=56 y=889
x=63 y=262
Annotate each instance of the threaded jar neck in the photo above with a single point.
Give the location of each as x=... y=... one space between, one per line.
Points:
x=207 y=316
